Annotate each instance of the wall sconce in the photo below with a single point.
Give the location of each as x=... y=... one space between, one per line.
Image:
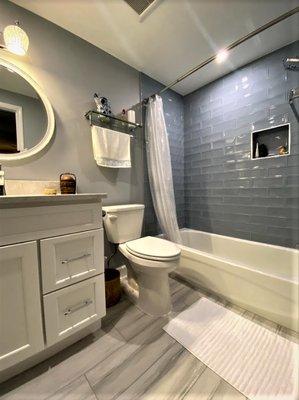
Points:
x=15 y=39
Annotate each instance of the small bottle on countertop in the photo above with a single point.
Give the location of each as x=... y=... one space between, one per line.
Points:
x=2 y=183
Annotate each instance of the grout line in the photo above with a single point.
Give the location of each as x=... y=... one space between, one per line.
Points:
x=91 y=387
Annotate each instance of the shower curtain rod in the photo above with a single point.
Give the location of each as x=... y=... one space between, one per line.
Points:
x=230 y=47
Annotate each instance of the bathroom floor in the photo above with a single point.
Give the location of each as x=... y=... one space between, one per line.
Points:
x=131 y=357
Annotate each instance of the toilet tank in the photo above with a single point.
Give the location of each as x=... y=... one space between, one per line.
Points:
x=123 y=223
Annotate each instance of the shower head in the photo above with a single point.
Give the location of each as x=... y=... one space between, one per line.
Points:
x=291 y=63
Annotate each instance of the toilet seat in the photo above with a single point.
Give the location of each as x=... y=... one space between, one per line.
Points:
x=152 y=248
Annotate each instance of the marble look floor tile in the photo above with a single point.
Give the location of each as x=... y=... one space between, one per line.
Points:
x=177 y=379
x=46 y=384
x=226 y=392
x=175 y=285
x=132 y=322
x=77 y=390
x=184 y=298
x=110 y=378
x=131 y=358
x=114 y=313
x=152 y=374
x=205 y=386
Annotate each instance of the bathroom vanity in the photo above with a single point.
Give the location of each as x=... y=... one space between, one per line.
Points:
x=51 y=275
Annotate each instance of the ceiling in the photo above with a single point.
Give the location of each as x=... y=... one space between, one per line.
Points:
x=175 y=35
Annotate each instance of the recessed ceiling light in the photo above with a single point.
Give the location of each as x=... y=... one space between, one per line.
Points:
x=221 y=56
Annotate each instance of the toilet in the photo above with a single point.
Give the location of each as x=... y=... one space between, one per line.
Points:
x=150 y=259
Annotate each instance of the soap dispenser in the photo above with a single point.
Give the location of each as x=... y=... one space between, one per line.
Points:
x=2 y=182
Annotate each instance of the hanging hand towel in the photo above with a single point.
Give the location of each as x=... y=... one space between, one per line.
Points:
x=111 y=149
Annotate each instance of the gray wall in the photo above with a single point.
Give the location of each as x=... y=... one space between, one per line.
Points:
x=225 y=191
x=33 y=114
x=70 y=70
x=173 y=110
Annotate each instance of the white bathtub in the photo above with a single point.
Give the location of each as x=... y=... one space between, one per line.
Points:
x=258 y=277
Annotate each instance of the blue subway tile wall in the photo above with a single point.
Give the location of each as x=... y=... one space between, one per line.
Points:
x=173 y=110
x=225 y=191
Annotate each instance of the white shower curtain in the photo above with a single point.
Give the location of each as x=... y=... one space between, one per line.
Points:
x=159 y=169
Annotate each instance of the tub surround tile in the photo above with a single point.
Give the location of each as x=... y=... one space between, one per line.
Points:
x=122 y=364
x=217 y=154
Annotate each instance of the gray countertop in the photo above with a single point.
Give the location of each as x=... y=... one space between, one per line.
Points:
x=45 y=200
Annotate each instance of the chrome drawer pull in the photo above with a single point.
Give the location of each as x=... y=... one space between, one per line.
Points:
x=77 y=307
x=75 y=258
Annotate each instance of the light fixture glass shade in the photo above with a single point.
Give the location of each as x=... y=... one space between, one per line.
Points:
x=16 y=40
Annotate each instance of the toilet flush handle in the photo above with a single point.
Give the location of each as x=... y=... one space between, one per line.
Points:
x=112 y=217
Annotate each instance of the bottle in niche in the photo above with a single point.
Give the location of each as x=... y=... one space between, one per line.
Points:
x=68 y=183
x=2 y=183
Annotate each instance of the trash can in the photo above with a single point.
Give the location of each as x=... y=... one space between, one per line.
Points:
x=112 y=287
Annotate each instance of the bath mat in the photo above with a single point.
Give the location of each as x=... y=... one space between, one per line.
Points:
x=259 y=363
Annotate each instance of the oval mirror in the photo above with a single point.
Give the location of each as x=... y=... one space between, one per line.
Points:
x=26 y=115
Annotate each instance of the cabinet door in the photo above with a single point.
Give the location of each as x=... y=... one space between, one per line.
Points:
x=72 y=308
x=71 y=258
x=21 y=333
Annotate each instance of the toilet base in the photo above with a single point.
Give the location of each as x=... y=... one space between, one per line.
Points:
x=154 y=294
x=149 y=292
x=147 y=283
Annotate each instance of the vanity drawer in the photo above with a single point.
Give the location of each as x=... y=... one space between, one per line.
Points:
x=70 y=309
x=71 y=258
x=23 y=224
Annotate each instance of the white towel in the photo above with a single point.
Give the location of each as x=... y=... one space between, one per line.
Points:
x=111 y=149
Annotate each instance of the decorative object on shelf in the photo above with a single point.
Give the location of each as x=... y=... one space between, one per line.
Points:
x=263 y=150
x=103 y=105
x=16 y=40
x=2 y=183
x=131 y=116
x=257 y=154
x=68 y=183
x=274 y=141
x=282 y=150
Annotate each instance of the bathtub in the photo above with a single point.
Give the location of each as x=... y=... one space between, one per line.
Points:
x=259 y=277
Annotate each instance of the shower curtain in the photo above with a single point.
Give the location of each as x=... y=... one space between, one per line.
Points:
x=159 y=169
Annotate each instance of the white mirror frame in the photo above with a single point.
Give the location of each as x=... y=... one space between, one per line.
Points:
x=50 y=117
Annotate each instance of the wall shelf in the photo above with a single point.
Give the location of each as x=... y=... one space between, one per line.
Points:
x=110 y=122
x=271 y=142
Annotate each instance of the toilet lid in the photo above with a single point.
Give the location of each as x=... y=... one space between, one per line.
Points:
x=153 y=248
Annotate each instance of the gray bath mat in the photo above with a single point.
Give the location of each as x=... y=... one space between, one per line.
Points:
x=257 y=362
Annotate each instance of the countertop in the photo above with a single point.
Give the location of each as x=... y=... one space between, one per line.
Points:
x=48 y=200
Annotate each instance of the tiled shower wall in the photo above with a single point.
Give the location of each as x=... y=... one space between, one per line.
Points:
x=225 y=191
x=173 y=111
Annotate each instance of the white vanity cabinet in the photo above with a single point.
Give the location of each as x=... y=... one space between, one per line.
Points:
x=21 y=332
x=51 y=272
